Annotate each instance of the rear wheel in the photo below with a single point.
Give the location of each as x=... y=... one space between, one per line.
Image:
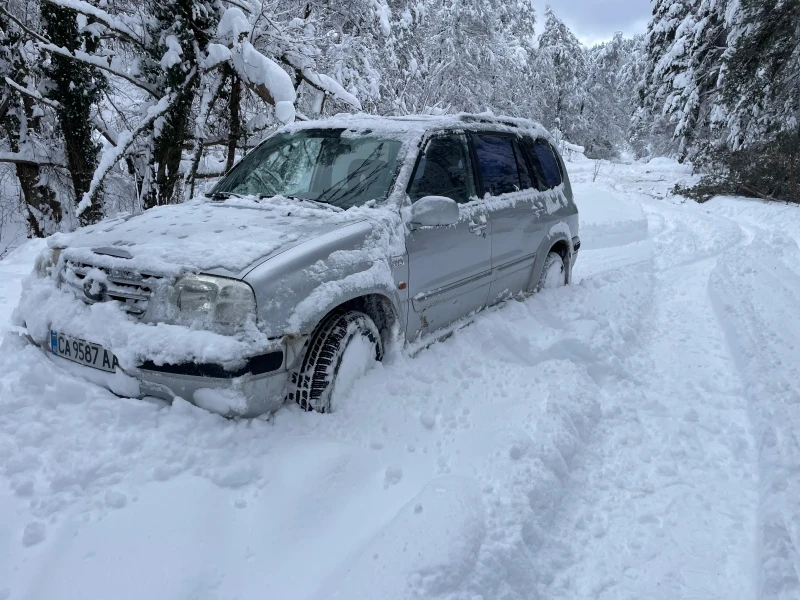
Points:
x=554 y=272
x=344 y=346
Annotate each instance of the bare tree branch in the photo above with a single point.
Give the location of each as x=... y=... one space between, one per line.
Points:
x=17 y=158
x=124 y=141
x=4 y=106
x=84 y=57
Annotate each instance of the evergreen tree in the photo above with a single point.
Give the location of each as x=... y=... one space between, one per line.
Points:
x=564 y=74
x=651 y=132
x=762 y=81
x=762 y=98
x=695 y=71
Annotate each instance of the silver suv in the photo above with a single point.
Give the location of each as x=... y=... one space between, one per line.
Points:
x=354 y=230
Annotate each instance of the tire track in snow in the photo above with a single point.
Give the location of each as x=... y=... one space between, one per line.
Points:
x=667 y=496
x=755 y=290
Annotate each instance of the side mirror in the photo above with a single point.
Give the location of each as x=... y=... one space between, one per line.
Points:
x=434 y=211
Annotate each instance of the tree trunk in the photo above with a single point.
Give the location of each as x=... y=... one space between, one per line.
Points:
x=76 y=88
x=43 y=211
x=41 y=206
x=168 y=149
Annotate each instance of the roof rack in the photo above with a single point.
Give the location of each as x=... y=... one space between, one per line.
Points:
x=489 y=119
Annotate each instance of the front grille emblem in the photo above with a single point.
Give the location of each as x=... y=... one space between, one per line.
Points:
x=94 y=290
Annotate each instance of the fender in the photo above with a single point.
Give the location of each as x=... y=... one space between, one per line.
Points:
x=558 y=236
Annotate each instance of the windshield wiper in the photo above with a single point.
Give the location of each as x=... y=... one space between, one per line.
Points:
x=226 y=195
x=311 y=201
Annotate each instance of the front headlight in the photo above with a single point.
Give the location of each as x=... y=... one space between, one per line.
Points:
x=225 y=301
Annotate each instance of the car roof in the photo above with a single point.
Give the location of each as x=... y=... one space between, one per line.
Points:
x=415 y=126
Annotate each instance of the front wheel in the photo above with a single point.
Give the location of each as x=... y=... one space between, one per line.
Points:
x=554 y=272
x=344 y=346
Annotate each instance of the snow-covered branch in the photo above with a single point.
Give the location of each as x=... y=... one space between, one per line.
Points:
x=115 y=24
x=98 y=62
x=124 y=141
x=32 y=93
x=19 y=158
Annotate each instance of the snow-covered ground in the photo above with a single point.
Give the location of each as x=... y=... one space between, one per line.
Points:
x=635 y=435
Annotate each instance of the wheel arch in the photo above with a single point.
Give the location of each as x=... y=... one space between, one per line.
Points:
x=557 y=241
x=378 y=304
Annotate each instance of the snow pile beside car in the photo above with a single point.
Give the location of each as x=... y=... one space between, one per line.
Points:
x=608 y=219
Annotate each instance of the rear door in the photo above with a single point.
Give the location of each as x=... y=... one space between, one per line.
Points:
x=507 y=178
x=450 y=268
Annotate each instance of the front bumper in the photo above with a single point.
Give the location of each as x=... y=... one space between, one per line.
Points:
x=258 y=388
x=245 y=396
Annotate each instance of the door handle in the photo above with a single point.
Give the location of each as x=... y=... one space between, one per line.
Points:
x=478 y=228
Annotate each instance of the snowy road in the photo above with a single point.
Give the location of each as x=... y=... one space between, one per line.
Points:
x=636 y=435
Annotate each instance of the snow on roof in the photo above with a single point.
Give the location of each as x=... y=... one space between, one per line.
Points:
x=419 y=124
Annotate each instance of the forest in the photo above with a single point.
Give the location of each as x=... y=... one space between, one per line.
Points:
x=110 y=106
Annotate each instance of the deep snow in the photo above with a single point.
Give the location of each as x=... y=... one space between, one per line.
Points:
x=634 y=435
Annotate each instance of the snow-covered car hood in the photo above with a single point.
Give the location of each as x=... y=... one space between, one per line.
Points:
x=202 y=235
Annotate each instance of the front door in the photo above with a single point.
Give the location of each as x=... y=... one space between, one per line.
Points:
x=450 y=268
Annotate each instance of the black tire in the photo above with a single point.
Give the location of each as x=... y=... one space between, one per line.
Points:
x=552 y=264
x=314 y=381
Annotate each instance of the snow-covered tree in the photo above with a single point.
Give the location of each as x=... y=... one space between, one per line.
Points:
x=563 y=76
x=74 y=87
x=27 y=142
x=123 y=107
x=615 y=69
x=762 y=79
x=651 y=129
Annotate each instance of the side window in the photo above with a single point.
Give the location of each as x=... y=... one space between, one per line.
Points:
x=539 y=178
x=525 y=178
x=444 y=169
x=497 y=163
x=547 y=159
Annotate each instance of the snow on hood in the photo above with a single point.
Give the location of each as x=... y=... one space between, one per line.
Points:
x=203 y=235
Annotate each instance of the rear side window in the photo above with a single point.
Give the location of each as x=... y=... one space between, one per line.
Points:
x=552 y=172
x=525 y=177
x=497 y=162
x=539 y=177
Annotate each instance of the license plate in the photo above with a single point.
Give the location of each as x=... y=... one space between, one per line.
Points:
x=82 y=352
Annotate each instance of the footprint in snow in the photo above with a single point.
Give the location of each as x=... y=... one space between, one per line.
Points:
x=33 y=534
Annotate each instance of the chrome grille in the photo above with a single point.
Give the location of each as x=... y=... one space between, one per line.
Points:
x=130 y=288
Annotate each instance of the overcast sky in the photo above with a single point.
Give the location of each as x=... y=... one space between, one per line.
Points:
x=596 y=20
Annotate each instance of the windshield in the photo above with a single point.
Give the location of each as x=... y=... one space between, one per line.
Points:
x=317 y=165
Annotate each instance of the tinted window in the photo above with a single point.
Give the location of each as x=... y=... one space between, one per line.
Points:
x=539 y=178
x=497 y=162
x=444 y=169
x=552 y=172
x=525 y=178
